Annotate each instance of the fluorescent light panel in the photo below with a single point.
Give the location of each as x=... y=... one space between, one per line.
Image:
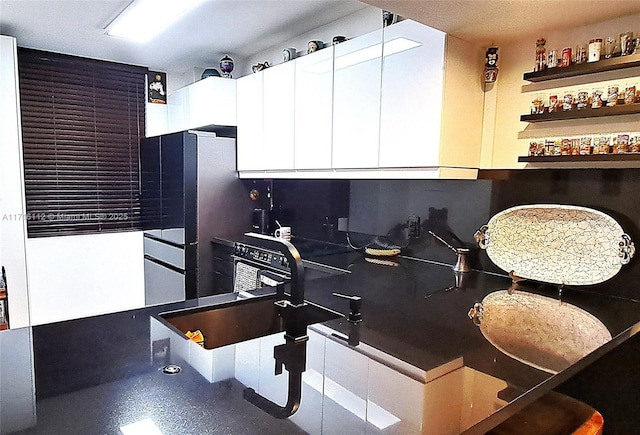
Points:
x=144 y=19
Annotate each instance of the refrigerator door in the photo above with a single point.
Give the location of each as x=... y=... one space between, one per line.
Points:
x=172 y=185
x=151 y=195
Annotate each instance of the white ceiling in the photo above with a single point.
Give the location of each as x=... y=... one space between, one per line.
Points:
x=243 y=28
x=239 y=28
x=489 y=22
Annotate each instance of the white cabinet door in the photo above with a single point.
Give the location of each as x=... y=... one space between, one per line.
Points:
x=211 y=101
x=156 y=122
x=12 y=203
x=356 y=101
x=177 y=102
x=250 y=125
x=412 y=92
x=314 y=110
x=278 y=116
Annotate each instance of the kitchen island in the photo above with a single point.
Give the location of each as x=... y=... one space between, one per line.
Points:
x=417 y=363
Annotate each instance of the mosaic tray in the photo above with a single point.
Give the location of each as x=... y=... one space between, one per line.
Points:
x=537 y=330
x=558 y=244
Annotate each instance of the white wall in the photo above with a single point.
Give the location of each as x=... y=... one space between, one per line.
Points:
x=79 y=276
x=12 y=205
x=512 y=95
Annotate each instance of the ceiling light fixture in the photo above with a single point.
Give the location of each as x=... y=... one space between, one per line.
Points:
x=144 y=19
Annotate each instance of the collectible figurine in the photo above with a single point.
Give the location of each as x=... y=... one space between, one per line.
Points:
x=541 y=55
x=491 y=67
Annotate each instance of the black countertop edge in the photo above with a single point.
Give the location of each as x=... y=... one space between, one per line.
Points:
x=549 y=384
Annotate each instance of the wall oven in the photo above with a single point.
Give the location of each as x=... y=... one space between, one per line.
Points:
x=256 y=267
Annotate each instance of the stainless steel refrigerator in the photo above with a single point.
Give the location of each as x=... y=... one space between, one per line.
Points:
x=190 y=193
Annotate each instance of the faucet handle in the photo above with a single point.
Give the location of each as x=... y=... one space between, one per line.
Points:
x=355 y=307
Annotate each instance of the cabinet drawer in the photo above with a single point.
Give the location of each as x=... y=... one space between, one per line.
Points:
x=223 y=267
x=162 y=285
x=164 y=252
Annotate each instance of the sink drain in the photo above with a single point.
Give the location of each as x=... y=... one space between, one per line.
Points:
x=171 y=369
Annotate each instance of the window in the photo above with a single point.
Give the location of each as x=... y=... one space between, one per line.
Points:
x=82 y=121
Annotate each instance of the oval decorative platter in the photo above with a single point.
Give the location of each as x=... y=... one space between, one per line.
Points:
x=539 y=331
x=558 y=244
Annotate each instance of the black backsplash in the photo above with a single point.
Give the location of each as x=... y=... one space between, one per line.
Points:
x=455 y=209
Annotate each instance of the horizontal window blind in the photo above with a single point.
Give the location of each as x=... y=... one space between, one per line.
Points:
x=82 y=122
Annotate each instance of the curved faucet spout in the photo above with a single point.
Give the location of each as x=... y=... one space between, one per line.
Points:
x=293 y=356
x=293 y=399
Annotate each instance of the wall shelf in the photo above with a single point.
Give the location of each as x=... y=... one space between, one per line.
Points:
x=612 y=64
x=627 y=157
x=620 y=109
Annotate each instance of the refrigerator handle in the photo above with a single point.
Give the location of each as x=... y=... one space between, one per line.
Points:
x=192 y=243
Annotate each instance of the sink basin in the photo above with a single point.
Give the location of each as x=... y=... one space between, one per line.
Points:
x=242 y=320
x=539 y=331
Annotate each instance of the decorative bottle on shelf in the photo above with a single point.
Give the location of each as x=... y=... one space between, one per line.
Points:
x=541 y=55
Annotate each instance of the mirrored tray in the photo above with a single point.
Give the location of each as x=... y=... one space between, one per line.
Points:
x=558 y=244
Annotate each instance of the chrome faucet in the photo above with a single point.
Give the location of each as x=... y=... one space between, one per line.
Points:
x=462 y=253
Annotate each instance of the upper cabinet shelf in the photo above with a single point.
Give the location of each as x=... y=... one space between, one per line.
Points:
x=612 y=64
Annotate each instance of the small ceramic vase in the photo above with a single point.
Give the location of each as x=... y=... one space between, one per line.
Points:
x=226 y=66
x=288 y=54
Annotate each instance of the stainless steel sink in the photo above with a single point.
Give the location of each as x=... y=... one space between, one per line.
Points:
x=242 y=320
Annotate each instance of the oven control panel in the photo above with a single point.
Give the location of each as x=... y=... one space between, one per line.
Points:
x=261 y=256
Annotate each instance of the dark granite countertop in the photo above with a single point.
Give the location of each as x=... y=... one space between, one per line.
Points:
x=421 y=364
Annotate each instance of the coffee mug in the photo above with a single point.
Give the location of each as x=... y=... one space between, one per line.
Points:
x=283 y=233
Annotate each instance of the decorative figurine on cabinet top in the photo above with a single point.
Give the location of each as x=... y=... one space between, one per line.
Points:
x=491 y=67
x=314 y=45
x=260 y=67
x=226 y=66
x=288 y=54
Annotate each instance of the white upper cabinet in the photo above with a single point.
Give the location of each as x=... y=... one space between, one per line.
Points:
x=209 y=102
x=278 y=116
x=250 y=123
x=412 y=91
x=314 y=110
x=356 y=101
x=156 y=119
x=405 y=101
